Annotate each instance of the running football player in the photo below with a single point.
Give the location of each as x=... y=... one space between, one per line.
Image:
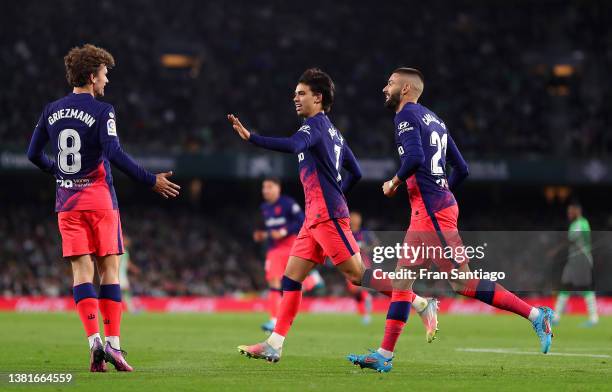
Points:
x=424 y=146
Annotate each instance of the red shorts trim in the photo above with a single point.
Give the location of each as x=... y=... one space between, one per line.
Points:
x=90 y=232
x=437 y=233
x=332 y=238
x=277 y=258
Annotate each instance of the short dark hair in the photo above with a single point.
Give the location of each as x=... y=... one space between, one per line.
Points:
x=320 y=83
x=83 y=61
x=410 y=71
x=575 y=203
x=275 y=180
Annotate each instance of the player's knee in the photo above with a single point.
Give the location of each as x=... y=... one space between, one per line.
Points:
x=82 y=272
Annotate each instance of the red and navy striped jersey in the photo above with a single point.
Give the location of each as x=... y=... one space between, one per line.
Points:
x=424 y=146
x=322 y=152
x=83 y=136
x=286 y=214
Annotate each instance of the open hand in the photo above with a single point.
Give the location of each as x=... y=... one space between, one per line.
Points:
x=238 y=127
x=165 y=187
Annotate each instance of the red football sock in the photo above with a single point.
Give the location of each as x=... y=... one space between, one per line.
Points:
x=111 y=314
x=360 y=303
x=397 y=315
x=289 y=306
x=364 y=296
x=393 y=330
x=88 y=312
x=274 y=300
x=496 y=295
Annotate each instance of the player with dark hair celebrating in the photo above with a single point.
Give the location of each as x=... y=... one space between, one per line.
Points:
x=424 y=146
x=321 y=152
x=83 y=135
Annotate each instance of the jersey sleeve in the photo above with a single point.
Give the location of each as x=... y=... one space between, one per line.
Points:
x=36 y=153
x=458 y=164
x=115 y=154
x=411 y=150
x=307 y=136
x=353 y=170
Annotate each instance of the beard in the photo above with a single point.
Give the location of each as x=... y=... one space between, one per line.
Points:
x=393 y=102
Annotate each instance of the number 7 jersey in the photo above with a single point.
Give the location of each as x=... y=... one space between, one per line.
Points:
x=319 y=167
x=82 y=132
x=416 y=127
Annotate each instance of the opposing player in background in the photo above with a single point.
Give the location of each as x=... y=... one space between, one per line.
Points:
x=283 y=218
x=83 y=135
x=577 y=274
x=321 y=153
x=424 y=146
x=126 y=266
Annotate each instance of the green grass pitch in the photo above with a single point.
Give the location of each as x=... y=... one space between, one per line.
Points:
x=179 y=352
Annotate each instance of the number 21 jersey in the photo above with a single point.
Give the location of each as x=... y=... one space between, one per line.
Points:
x=417 y=127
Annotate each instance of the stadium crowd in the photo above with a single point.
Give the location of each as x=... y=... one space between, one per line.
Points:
x=182 y=251
x=179 y=253
x=493 y=83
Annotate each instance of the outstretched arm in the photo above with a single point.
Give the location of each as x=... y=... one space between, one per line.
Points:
x=159 y=182
x=125 y=163
x=300 y=141
x=114 y=153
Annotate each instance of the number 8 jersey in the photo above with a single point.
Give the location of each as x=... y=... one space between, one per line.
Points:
x=419 y=132
x=83 y=135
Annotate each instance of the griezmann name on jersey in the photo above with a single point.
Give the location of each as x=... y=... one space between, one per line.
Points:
x=83 y=136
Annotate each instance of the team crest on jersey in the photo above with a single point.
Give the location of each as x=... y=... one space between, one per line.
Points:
x=278 y=210
x=111 y=128
x=305 y=128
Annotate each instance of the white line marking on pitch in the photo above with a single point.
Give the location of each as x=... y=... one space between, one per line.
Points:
x=509 y=351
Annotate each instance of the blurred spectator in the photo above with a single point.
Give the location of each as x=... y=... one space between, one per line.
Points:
x=488 y=69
